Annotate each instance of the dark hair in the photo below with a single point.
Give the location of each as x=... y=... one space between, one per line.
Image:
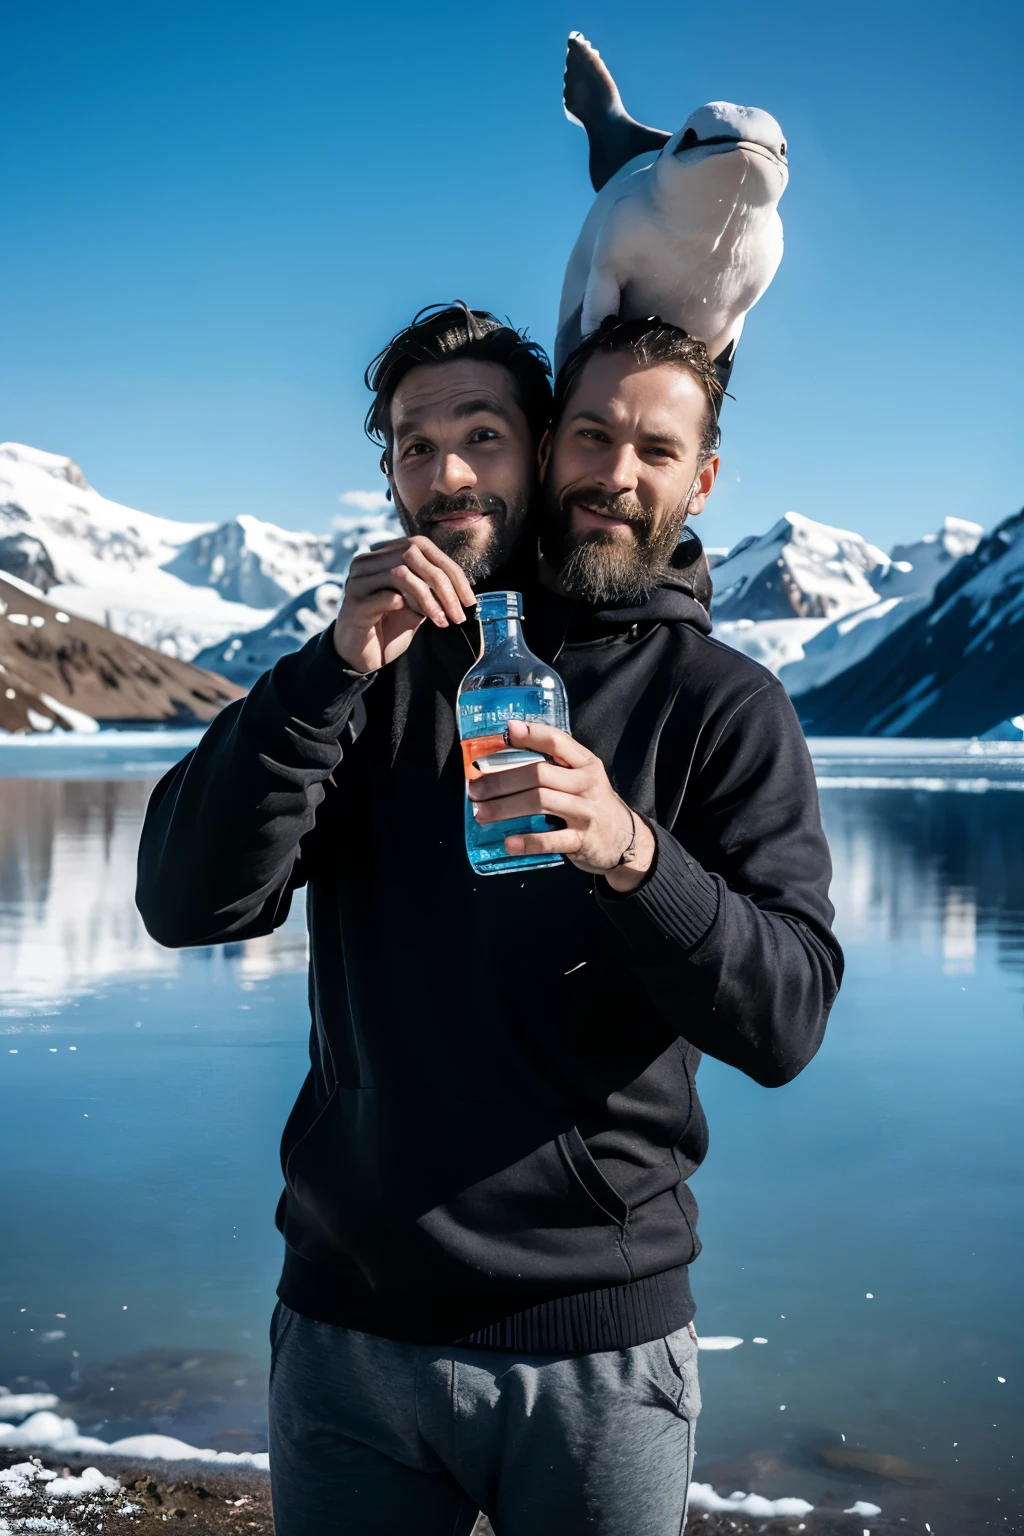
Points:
x=442 y=333
x=650 y=341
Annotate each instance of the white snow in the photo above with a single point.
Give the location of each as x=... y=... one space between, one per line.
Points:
x=74 y=719
x=159 y=610
x=775 y=643
x=46 y=1431
x=20 y=1478
x=861 y=1507
x=859 y=595
x=176 y=586
x=799 y=568
x=837 y=645
x=919 y=567
x=17 y=1405
x=23 y=586
x=717 y=1341
x=243 y=657
x=703 y=1496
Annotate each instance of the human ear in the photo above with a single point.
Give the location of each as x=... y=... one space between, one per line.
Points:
x=385 y=471
x=703 y=486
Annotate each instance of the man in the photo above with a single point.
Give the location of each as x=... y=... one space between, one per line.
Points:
x=485 y=1299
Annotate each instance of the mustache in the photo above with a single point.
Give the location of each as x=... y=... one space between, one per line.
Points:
x=462 y=501
x=622 y=506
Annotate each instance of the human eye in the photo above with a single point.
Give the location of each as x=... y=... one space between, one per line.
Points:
x=594 y=435
x=417 y=449
x=484 y=435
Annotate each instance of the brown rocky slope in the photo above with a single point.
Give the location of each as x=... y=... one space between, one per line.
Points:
x=52 y=663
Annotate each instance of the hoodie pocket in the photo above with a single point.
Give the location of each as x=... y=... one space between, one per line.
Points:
x=396 y=1185
x=604 y=1195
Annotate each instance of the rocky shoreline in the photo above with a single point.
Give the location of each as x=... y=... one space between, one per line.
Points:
x=75 y=1497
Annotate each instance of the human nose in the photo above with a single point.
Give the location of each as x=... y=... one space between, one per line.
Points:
x=452 y=474
x=619 y=469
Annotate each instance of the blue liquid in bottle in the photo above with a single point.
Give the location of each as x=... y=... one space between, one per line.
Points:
x=507 y=683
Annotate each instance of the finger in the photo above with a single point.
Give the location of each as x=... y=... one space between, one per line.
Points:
x=539 y=737
x=382 y=600
x=452 y=569
x=439 y=582
x=568 y=842
x=416 y=593
x=380 y=558
x=512 y=781
x=386 y=573
x=533 y=802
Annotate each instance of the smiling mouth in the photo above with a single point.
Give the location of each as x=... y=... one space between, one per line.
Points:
x=602 y=514
x=459 y=519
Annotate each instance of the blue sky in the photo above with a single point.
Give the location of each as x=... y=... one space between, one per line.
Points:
x=214 y=214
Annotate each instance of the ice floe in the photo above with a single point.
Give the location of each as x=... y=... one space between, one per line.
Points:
x=717 y=1341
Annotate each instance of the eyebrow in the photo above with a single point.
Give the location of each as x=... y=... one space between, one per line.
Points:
x=668 y=439
x=477 y=406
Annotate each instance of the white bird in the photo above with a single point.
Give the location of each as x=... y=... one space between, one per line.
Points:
x=684 y=226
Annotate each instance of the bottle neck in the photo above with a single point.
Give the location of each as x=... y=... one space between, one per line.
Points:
x=500 y=631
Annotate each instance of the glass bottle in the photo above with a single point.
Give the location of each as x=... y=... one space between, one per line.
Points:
x=506 y=683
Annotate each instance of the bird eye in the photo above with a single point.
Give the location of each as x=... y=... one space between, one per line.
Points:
x=782 y=147
x=689 y=139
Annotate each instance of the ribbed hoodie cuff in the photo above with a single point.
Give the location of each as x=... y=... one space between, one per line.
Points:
x=315 y=686
x=677 y=902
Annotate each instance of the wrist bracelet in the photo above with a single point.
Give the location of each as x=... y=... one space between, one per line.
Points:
x=628 y=853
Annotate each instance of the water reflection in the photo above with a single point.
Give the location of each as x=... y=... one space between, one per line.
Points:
x=936 y=869
x=893 y=1166
x=68 y=921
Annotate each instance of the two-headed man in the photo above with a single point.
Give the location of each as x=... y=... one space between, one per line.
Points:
x=485 y=1302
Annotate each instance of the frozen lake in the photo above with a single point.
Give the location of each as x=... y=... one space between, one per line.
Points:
x=867 y=1221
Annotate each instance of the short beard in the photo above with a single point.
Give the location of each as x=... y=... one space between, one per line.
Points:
x=599 y=567
x=505 y=526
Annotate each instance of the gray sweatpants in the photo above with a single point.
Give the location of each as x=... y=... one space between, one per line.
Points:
x=370 y=1437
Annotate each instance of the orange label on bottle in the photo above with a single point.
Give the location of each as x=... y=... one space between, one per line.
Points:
x=480 y=746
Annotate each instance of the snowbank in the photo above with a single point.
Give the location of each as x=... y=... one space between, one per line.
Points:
x=47 y=1431
x=703 y=1496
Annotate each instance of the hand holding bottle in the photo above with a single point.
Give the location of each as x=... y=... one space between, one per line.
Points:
x=599 y=826
x=390 y=591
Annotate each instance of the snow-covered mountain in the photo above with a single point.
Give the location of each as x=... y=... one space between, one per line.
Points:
x=929 y=638
x=775 y=591
x=953 y=664
x=799 y=569
x=244 y=657
x=176 y=586
x=857 y=595
x=919 y=567
x=254 y=563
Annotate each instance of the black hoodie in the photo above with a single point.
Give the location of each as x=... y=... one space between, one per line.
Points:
x=493 y=1142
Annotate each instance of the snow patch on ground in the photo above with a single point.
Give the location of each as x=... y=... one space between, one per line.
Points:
x=47 y=1431
x=703 y=1496
x=21 y=1480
